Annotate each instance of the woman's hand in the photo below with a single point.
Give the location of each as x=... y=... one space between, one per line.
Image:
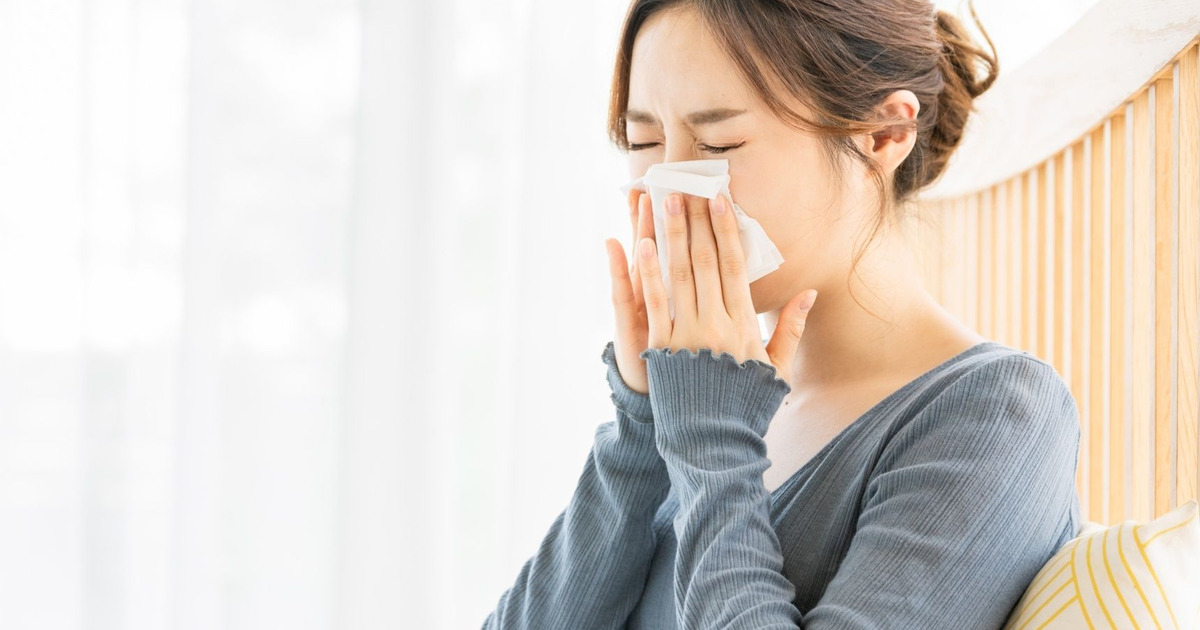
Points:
x=630 y=310
x=713 y=308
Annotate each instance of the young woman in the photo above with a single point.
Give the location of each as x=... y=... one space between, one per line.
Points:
x=877 y=464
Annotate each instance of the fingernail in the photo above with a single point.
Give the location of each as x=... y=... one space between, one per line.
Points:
x=646 y=251
x=807 y=301
x=718 y=205
x=674 y=205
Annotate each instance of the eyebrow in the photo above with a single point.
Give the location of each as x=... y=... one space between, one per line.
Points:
x=705 y=117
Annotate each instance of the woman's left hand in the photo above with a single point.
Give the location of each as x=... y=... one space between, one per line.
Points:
x=713 y=308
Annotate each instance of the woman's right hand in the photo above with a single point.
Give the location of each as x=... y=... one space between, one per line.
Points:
x=633 y=328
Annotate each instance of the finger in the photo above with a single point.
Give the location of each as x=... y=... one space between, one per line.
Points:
x=734 y=281
x=790 y=328
x=624 y=305
x=633 y=200
x=679 y=259
x=704 y=257
x=644 y=229
x=646 y=211
x=654 y=295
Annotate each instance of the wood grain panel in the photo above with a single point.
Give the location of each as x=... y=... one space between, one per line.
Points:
x=1142 y=324
x=1097 y=314
x=1028 y=302
x=1059 y=248
x=1044 y=257
x=1119 y=275
x=986 y=232
x=1187 y=473
x=1164 y=294
x=1016 y=262
x=1078 y=278
x=1090 y=260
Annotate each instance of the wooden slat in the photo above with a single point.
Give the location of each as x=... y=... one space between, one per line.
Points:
x=1003 y=261
x=1060 y=268
x=1119 y=264
x=1044 y=256
x=1016 y=259
x=971 y=287
x=1078 y=342
x=1097 y=309
x=1029 y=262
x=1164 y=293
x=997 y=243
x=1091 y=261
x=1187 y=473
x=1142 y=325
x=986 y=293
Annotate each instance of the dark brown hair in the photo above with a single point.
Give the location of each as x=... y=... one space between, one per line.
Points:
x=841 y=59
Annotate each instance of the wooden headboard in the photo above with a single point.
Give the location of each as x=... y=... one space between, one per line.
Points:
x=1077 y=239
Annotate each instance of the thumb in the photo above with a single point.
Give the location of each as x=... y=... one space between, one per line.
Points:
x=788 y=330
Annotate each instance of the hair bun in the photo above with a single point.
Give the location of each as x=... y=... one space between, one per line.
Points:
x=960 y=58
x=960 y=54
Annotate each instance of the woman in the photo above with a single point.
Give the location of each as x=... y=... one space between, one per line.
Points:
x=877 y=464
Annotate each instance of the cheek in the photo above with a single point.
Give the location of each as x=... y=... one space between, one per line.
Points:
x=773 y=203
x=637 y=164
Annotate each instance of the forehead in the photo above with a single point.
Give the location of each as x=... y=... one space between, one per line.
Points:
x=678 y=65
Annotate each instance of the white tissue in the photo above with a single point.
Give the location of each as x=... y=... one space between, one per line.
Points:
x=703 y=178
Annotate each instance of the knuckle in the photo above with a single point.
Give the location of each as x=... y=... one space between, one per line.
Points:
x=734 y=265
x=681 y=273
x=704 y=257
x=622 y=298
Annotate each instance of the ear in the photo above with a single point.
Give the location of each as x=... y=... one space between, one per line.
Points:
x=891 y=145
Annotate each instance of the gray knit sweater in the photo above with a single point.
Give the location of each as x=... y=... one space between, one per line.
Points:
x=934 y=509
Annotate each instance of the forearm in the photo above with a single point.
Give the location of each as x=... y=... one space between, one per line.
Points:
x=711 y=414
x=591 y=567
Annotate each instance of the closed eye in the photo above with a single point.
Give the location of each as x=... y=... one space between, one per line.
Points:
x=703 y=147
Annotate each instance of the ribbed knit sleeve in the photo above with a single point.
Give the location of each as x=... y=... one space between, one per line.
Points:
x=591 y=567
x=711 y=414
x=965 y=504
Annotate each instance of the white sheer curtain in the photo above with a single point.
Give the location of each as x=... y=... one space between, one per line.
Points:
x=301 y=304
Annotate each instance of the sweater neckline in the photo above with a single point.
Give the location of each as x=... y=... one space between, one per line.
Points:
x=879 y=406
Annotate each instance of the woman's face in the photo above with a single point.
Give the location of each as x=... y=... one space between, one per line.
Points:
x=778 y=174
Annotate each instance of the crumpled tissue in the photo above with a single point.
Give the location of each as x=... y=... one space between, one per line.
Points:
x=703 y=178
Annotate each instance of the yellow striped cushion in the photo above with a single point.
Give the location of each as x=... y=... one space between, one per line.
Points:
x=1131 y=575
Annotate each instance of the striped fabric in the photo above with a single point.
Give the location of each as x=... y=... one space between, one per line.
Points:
x=1131 y=575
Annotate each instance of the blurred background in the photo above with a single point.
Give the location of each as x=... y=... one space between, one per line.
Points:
x=302 y=303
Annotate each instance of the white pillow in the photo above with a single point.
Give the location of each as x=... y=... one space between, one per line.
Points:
x=1131 y=575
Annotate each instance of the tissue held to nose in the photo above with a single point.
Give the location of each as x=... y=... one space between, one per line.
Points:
x=703 y=178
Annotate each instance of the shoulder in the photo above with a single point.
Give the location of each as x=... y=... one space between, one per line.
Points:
x=999 y=414
x=1006 y=373
x=994 y=370
x=995 y=392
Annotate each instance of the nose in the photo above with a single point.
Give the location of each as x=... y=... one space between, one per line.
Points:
x=680 y=149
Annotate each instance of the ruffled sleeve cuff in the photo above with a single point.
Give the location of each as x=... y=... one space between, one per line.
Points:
x=635 y=405
x=702 y=387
